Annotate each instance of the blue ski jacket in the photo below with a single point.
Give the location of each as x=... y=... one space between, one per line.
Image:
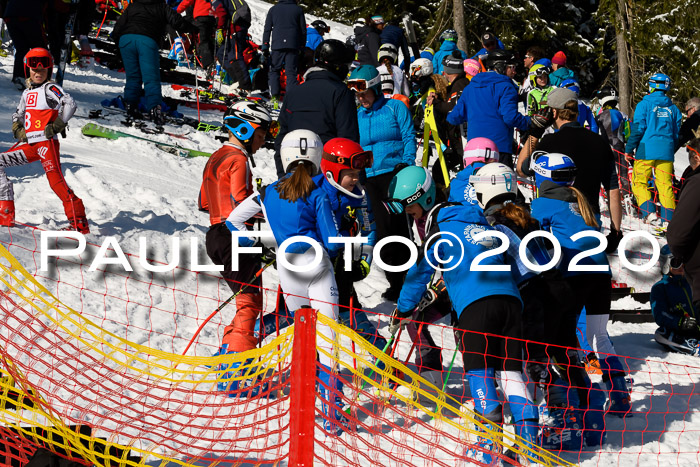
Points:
x=387 y=130
x=489 y=105
x=445 y=49
x=464 y=284
x=671 y=300
x=313 y=38
x=557 y=211
x=585 y=115
x=311 y=217
x=340 y=202
x=561 y=75
x=655 y=128
x=460 y=188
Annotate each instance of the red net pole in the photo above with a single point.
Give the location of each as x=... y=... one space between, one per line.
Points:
x=303 y=392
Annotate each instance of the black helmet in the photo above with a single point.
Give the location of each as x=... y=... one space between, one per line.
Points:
x=499 y=59
x=335 y=56
x=607 y=95
x=320 y=26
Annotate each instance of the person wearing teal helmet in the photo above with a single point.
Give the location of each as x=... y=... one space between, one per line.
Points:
x=412 y=190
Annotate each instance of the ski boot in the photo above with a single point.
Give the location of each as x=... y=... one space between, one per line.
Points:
x=562 y=430
x=674 y=342
x=526 y=424
x=7 y=213
x=486 y=450
x=235 y=378
x=330 y=389
x=614 y=378
x=594 y=434
x=157 y=116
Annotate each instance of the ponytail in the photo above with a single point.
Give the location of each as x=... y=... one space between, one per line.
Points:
x=298 y=185
x=585 y=208
x=387 y=63
x=518 y=215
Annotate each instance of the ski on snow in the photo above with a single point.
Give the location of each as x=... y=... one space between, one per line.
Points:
x=99 y=131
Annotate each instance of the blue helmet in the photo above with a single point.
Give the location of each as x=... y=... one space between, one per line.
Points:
x=659 y=82
x=571 y=84
x=554 y=167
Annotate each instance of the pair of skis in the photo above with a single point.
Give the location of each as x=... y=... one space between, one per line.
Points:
x=98 y=131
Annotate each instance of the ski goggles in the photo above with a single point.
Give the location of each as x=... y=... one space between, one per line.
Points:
x=503 y=179
x=358 y=161
x=362 y=85
x=543 y=71
x=557 y=175
x=37 y=62
x=398 y=206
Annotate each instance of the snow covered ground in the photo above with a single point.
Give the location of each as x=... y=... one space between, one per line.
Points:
x=132 y=190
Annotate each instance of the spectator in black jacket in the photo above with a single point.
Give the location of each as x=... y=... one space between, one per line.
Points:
x=683 y=232
x=453 y=71
x=285 y=22
x=691 y=126
x=139 y=31
x=393 y=34
x=23 y=19
x=322 y=103
x=367 y=42
x=595 y=164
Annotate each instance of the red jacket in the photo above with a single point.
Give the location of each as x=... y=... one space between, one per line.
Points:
x=201 y=7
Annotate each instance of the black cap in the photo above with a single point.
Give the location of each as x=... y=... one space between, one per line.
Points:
x=488 y=38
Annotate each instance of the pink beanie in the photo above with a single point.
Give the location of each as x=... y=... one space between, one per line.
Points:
x=559 y=58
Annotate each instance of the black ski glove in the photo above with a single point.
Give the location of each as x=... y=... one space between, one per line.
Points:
x=54 y=128
x=613 y=238
x=540 y=121
x=19 y=132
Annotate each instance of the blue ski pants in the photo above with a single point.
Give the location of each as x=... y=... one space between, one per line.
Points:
x=142 y=67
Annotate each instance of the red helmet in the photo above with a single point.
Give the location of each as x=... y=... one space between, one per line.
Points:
x=343 y=153
x=38 y=57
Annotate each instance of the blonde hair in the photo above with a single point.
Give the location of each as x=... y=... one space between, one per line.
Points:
x=299 y=184
x=585 y=208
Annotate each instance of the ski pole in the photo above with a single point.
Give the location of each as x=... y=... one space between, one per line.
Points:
x=101 y=24
x=444 y=383
x=226 y=302
x=410 y=352
x=389 y=343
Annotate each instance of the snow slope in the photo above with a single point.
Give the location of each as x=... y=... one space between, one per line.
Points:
x=132 y=190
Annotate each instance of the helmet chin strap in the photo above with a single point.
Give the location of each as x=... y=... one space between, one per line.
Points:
x=329 y=179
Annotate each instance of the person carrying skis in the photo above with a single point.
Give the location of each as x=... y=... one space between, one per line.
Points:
x=227 y=181
x=42 y=114
x=564 y=211
x=296 y=206
x=488 y=307
x=342 y=164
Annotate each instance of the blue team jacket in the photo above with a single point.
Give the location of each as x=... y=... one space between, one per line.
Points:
x=461 y=189
x=655 y=128
x=489 y=105
x=557 y=211
x=445 y=49
x=465 y=286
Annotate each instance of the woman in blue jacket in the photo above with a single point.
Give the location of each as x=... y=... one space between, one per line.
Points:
x=563 y=210
x=386 y=129
x=296 y=206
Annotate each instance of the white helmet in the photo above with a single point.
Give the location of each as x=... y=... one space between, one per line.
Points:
x=421 y=67
x=301 y=145
x=388 y=51
x=494 y=180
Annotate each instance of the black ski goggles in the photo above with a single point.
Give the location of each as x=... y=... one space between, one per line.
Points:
x=37 y=62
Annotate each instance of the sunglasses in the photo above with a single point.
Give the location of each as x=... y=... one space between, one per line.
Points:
x=38 y=62
x=358 y=161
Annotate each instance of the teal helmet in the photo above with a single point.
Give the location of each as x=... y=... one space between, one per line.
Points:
x=365 y=77
x=411 y=185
